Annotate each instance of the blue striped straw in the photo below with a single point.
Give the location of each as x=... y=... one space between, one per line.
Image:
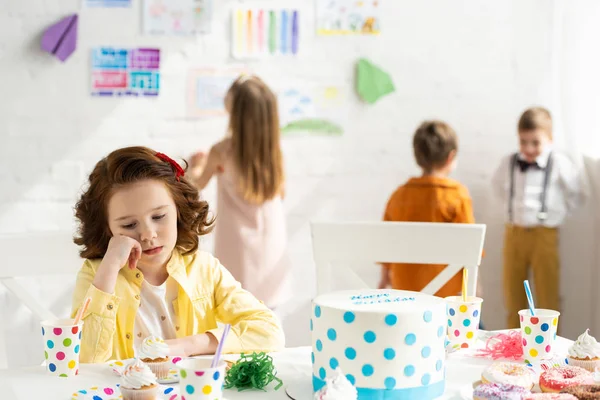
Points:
x=529 y=297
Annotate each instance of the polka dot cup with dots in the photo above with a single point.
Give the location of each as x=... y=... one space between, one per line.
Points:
x=463 y=320
x=198 y=381
x=538 y=334
x=62 y=343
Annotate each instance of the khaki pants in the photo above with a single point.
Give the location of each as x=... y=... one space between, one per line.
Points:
x=535 y=248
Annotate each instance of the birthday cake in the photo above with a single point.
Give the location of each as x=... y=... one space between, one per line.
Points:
x=389 y=343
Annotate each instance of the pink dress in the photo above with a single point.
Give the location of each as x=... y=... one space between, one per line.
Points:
x=251 y=242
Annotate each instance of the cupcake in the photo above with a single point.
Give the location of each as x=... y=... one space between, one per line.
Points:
x=585 y=352
x=154 y=352
x=138 y=382
x=336 y=388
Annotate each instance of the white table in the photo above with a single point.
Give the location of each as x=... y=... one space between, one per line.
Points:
x=293 y=366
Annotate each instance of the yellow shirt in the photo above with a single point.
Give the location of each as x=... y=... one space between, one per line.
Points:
x=207 y=294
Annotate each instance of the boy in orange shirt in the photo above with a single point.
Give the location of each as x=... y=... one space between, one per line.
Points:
x=432 y=197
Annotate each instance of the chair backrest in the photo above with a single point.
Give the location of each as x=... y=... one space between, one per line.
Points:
x=458 y=245
x=34 y=254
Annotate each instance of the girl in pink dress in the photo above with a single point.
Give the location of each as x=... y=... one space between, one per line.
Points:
x=250 y=237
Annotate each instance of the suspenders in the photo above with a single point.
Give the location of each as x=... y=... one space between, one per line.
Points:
x=543 y=213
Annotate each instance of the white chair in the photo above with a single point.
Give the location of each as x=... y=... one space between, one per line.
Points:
x=458 y=245
x=34 y=254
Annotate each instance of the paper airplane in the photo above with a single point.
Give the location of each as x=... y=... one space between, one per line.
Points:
x=61 y=38
x=372 y=83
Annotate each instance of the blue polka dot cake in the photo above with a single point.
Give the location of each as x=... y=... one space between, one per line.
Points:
x=389 y=343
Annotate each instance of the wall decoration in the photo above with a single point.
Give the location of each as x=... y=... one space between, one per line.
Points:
x=125 y=72
x=177 y=17
x=207 y=88
x=342 y=17
x=311 y=109
x=265 y=32
x=60 y=39
x=372 y=83
x=107 y=3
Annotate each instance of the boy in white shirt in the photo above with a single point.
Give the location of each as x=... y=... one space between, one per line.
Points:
x=539 y=187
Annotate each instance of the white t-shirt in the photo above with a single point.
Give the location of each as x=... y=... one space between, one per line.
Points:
x=156 y=316
x=564 y=194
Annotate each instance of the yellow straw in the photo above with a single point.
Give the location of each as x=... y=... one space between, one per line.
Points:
x=82 y=310
x=464 y=284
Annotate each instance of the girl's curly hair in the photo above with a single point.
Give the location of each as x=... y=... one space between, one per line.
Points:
x=126 y=166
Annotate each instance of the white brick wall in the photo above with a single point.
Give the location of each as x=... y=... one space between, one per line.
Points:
x=475 y=64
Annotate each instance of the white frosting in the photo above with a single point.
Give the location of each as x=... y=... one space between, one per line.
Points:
x=510 y=373
x=381 y=339
x=338 y=387
x=585 y=346
x=136 y=375
x=153 y=347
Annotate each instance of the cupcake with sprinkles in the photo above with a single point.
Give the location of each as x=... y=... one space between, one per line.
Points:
x=585 y=352
x=155 y=353
x=497 y=391
x=138 y=382
x=338 y=387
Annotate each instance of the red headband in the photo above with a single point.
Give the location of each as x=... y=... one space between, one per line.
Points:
x=178 y=170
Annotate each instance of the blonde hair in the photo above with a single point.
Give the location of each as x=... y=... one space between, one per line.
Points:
x=536 y=118
x=432 y=143
x=255 y=139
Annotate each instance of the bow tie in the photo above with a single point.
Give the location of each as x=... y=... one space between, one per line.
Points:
x=524 y=165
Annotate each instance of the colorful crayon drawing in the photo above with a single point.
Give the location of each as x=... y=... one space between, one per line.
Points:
x=125 y=72
x=207 y=88
x=260 y=33
x=343 y=17
x=314 y=110
x=177 y=17
x=107 y=3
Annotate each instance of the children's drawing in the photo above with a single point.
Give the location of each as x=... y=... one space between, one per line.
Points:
x=177 y=17
x=107 y=3
x=310 y=110
x=258 y=32
x=342 y=17
x=207 y=88
x=125 y=72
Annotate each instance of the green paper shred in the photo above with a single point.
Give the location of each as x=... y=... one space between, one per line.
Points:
x=252 y=371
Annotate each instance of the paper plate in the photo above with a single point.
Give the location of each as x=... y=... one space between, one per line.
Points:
x=114 y=393
x=98 y=393
x=302 y=390
x=119 y=365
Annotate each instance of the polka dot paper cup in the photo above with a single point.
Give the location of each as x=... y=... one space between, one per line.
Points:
x=463 y=320
x=198 y=381
x=539 y=334
x=62 y=341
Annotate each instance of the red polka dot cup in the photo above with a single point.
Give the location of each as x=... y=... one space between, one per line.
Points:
x=538 y=333
x=62 y=342
x=463 y=320
x=198 y=381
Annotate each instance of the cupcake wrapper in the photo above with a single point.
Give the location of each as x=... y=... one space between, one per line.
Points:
x=160 y=369
x=140 y=394
x=590 y=365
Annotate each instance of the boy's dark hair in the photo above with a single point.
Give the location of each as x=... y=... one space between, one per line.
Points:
x=536 y=118
x=432 y=143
